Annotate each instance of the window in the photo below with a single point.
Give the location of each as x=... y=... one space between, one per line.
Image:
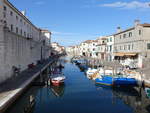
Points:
x=130 y=34
x=4 y=14
x=124 y=47
x=11 y=27
x=5 y=8
x=129 y=47
x=21 y=31
x=110 y=39
x=107 y=40
x=120 y=48
x=124 y=35
x=11 y=13
x=16 y=17
x=140 y=32
x=96 y=54
x=16 y=29
x=25 y=34
x=110 y=48
x=120 y=36
x=148 y=45
x=132 y=46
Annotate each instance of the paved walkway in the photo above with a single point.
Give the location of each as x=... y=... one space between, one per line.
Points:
x=12 y=88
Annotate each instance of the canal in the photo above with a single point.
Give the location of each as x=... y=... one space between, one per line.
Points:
x=80 y=95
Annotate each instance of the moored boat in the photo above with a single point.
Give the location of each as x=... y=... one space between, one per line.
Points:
x=90 y=72
x=123 y=81
x=118 y=81
x=57 y=80
x=105 y=80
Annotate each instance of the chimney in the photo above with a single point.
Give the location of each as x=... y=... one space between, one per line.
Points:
x=24 y=13
x=136 y=22
x=119 y=29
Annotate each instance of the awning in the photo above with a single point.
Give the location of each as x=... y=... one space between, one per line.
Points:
x=119 y=54
x=130 y=54
x=125 y=54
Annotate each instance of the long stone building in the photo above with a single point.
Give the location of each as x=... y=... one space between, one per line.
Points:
x=21 y=42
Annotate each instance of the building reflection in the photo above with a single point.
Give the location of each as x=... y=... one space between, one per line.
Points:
x=136 y=98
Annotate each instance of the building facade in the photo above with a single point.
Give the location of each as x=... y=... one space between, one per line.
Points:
x=101 y=48
x=132 y=45
x=110 y=48
x=57 y=49
x=21 y=42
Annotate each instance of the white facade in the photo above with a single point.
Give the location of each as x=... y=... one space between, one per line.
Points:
x=92 y=47
x=21 y=43
x=110 y=48
x=101 y=48
x=17 y=22
x=57 y=49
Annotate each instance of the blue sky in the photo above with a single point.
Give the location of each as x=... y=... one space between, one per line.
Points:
x=73 y=21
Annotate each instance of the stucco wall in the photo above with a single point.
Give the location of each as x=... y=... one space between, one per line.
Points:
x=17 y=51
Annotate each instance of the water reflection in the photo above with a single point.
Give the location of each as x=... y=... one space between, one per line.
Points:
x=58 y=91
x=136 y=98
x=80 y=95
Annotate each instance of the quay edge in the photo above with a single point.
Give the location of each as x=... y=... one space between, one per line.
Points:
x=12 y=96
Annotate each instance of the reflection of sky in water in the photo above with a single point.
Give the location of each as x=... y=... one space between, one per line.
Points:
x=80 y=95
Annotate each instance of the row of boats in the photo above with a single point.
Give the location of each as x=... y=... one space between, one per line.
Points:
x=109 y=76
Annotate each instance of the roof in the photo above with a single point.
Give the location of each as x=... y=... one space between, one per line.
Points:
x=143 y=25
x=45 y=30
x=88 y=41
x=125 y=30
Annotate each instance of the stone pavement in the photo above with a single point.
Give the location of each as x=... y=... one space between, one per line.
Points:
x=12 y=88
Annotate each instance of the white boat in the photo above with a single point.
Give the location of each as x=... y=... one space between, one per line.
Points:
x=57 y=79
x=90 y=72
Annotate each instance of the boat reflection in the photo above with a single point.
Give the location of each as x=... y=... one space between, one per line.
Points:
x=58 y=91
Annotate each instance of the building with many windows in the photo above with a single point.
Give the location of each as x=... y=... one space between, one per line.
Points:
x=21 y=42
x=132 y=45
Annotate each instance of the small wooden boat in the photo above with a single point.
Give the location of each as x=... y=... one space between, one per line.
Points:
x=57 y=80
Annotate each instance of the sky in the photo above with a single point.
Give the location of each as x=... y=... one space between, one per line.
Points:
x=73 y=21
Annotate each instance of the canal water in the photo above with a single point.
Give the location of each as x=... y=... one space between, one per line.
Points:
x=80 y=95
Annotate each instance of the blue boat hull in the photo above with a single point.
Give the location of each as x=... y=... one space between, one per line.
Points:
x=104 y=81
x=125 y=81
x=109 y=81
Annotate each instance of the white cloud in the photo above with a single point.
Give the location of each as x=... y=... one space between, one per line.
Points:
x=39 y=3
x=128 y=5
